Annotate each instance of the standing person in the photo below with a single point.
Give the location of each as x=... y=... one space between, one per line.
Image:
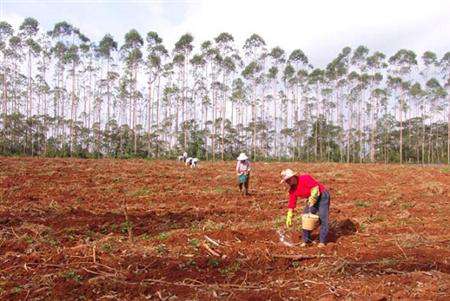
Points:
x=243 y=172
x=306 y=187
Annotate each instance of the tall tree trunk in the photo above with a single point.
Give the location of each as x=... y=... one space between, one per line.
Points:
x=149 y=117
x=448 y=128
x=275 y=136
x=349 y=132
x=401 y=130
x=134 y=109
x=157 y=115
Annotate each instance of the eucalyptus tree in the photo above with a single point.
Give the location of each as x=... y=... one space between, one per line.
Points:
x=28 y=30
x=316 y=79
x=254 y=47
x=183 y=47
x=200 y=91
x=337 y=72
x=359 y=60
x=380 y=96
x=105 y=50
x=6 y=32
x=132 y=54
x=435 y=95
x=375 y=65
x=156 y=52
x=402 y=63
x=418 y=96
x=444 y=65
x=224 y=42
x=66 y=52
x=299 y=61
x=354 y=92
x=278 y=58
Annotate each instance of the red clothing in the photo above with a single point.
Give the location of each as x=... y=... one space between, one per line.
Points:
x=303 y=189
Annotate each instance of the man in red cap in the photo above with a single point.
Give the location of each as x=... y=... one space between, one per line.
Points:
x=306 y=187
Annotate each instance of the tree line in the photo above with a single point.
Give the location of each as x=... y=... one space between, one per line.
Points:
x=66 y=95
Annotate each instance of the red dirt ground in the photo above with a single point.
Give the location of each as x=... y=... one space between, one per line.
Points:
x=76 y=229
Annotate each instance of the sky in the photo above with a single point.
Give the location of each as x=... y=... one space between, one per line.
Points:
x=321 y=28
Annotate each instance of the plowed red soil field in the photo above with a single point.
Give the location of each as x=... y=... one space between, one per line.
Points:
x=75 y=229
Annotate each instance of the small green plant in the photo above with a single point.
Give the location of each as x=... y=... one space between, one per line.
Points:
x=405 y=206
x=145 y=236
x=213 y=262
x=28 y=239
x=140 y=192
x=72 y=275
x=191 y=263
x=163 y=236
x=361 y=204
x=194 y=242
x=113 y=227
x=230 y=270
x=362 y=227
x=50 y=240
x=117 y=180
x=212 y=226
x=16 y=289
x=161 y=249
x=295 y=264
x=374 y=219
x=106 y=247
x=445 y=170
x=125 y=226
x=279 y=222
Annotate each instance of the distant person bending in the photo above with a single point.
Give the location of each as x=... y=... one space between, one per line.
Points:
x=306 y=187
x=194 y=162
x=243 y=172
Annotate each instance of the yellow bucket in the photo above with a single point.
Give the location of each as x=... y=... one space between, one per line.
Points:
x=309 y=221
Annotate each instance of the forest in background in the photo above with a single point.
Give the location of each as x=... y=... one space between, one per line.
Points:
x=63 y=94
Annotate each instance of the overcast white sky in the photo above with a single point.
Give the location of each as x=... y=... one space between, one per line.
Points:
x=321 y=28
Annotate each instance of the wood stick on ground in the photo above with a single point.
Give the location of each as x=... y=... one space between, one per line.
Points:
x=401 y=249
x=93 y=254
x=14 y=232
x=211 y=251
x=298 y=257
x=212 y=241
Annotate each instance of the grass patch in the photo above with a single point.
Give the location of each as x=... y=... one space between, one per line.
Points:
x=140 y=192
x=362 y=204
x=230 y=270
x=213 y=226
x=124 y=227
x=72 y=275
x=445 y=170
x=194 y=242
x=106 y=247
x=405 y=206
x=161 y=249
x=145 y=236
x=295 y=264
x=374 y=219
x=362 y=227
x=279 y=222
x=213 y=262
x=163 y=236
x=28 y=239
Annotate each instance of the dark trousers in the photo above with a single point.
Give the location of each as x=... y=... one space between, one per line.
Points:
x=323 y=207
